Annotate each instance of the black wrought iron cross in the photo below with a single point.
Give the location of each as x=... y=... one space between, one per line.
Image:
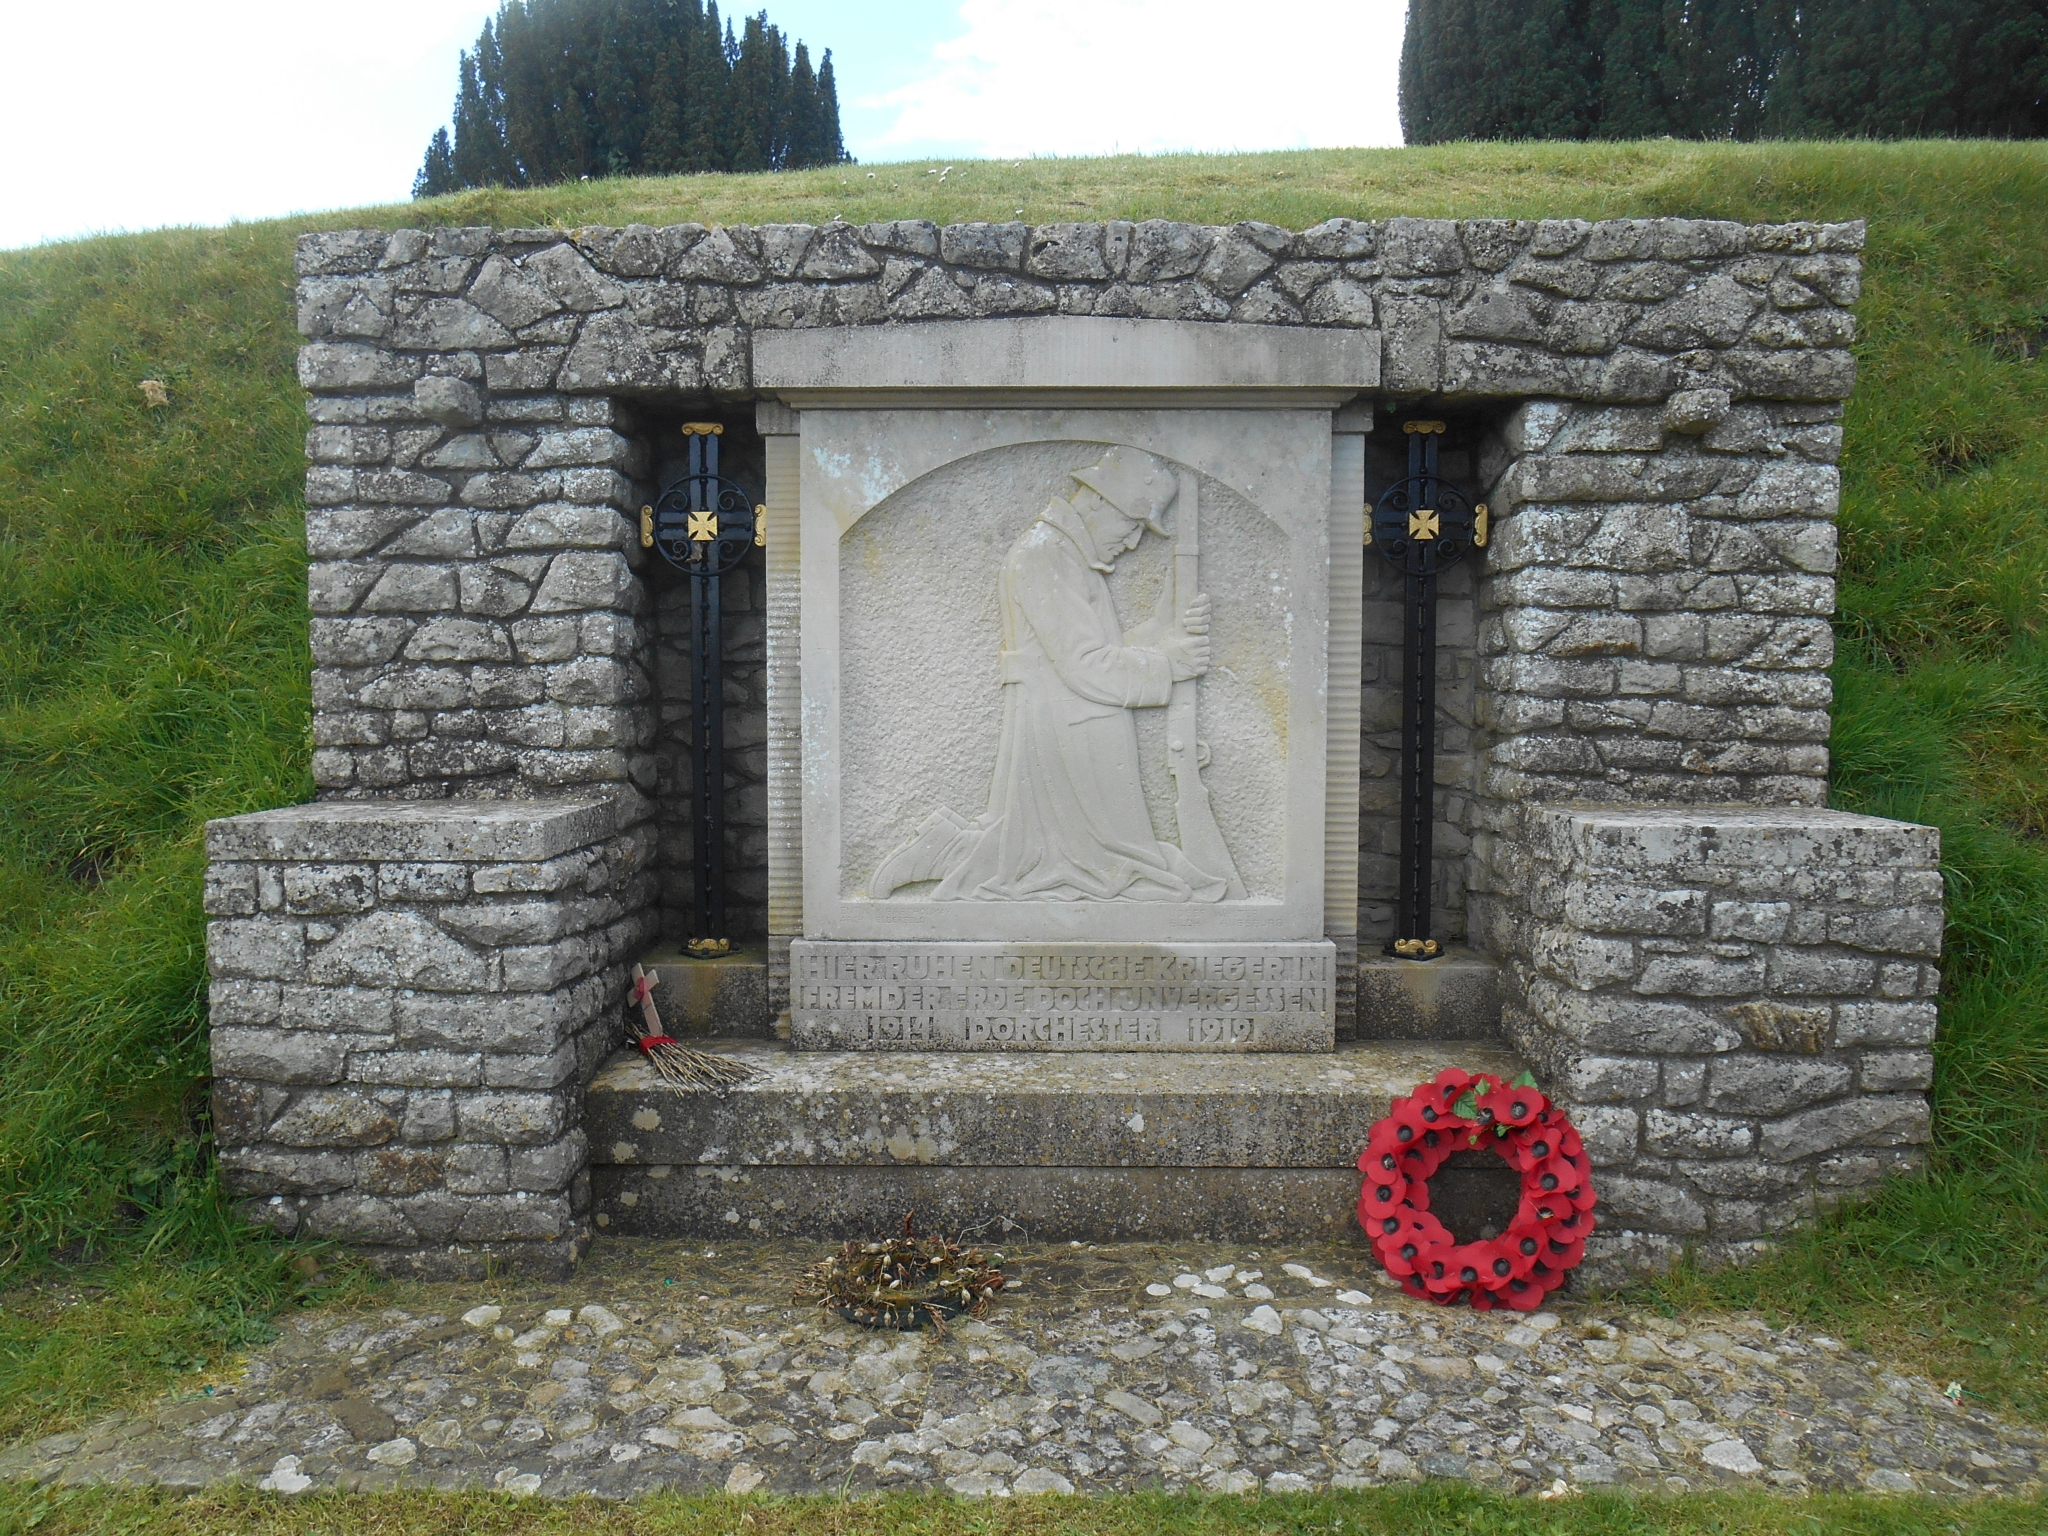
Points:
x=1424 y=525
x=703 y=525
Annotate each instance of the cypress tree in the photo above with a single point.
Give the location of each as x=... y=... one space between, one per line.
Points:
x=557 y=89
x=708 y=90
x=831 y=145
x=1632 y=90
x=1435 y=29
x=437 y=175
x=1724 y=69
x=806 y=137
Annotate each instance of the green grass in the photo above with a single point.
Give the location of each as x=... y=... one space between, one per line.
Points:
x=1435 y=1509
x=153 y=673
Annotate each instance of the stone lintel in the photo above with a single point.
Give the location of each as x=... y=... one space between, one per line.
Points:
x=1062 y=996
x=1066 y=353
x=451 y=831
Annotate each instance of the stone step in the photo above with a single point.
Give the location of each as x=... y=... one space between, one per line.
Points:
x=1094 y=1147
x=723 y=995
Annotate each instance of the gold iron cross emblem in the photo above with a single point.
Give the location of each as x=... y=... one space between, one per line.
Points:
x=1422 y=523
x=703 y=527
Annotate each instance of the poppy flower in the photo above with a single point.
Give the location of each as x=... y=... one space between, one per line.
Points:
x=1522 y=1247
x=1450 y=1083
x=1406 y=1117
x=1522 y=1295
x=1513 y=1107
x=1557 y=1176
x=1381 y=1196
x=1561 y=1255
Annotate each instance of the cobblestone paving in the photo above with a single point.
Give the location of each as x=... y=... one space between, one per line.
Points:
x=1223 y=1368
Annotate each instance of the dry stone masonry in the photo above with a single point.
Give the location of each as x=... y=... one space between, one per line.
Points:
x=407 y=1001
x=417 y=976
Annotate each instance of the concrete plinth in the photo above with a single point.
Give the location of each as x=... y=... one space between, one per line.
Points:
x=720 y=995
x=1092 y=1147
x=1454 y=997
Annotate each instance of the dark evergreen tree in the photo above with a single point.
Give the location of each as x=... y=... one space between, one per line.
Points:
x=831 y=143
x=437 y=175
x=557 y=89
x=1724 y=69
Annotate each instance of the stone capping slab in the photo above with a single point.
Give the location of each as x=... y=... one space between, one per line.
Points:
x=452 y=831
x=1608 y=841
x=1066 y=352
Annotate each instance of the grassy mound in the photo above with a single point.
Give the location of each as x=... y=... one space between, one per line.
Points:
x=153 y=673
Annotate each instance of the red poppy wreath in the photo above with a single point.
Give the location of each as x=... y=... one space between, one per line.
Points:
x=1456 y=1112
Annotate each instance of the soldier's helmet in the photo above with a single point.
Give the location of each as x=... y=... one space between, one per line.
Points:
x=1134 y=482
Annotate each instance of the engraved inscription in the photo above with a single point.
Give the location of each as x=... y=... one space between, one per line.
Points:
x=867 y=996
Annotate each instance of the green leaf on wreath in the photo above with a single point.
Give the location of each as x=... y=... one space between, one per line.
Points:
x=1467 y=1108
x=1526 y=1080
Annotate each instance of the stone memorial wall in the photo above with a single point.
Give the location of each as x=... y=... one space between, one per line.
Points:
x=1651 y=409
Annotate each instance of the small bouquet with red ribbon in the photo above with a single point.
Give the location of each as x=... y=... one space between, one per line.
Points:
x=674 y=1063
x=1464 y=1111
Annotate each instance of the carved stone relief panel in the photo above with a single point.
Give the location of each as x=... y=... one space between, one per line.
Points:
x=1064 y=673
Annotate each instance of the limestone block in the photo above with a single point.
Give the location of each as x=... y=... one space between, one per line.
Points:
x=1420 y=247
x=569 y=277
x=1337 y=239
x=1895 y=1071
x=397 y=945
x=1609 y=1131
x=1884 y=1023
x=918 y=237
x=298 y=1058
x=553 y=1070
x=1340 y=301
x=333 y=1117
x=1699 y=975
x=364 y=1013
x=1161 y=249
x=512 y=1119
x=1625 y=908
x=446 y=325
x=1771 y=1085
x=416 y=1069
x=1714 y=313
x=1067 y=251
x=1871 y=1120
x=1691 y=1135
x=268 y=1171
x=1620 y=1022
x=1653 y=1204
x=531 y=367
x=261 y=947
x=1239 y=258
x=1607 y=1079
x=998 y=247
x=340 y=250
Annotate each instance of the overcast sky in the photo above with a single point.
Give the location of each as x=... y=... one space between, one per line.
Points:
x=129 y=114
